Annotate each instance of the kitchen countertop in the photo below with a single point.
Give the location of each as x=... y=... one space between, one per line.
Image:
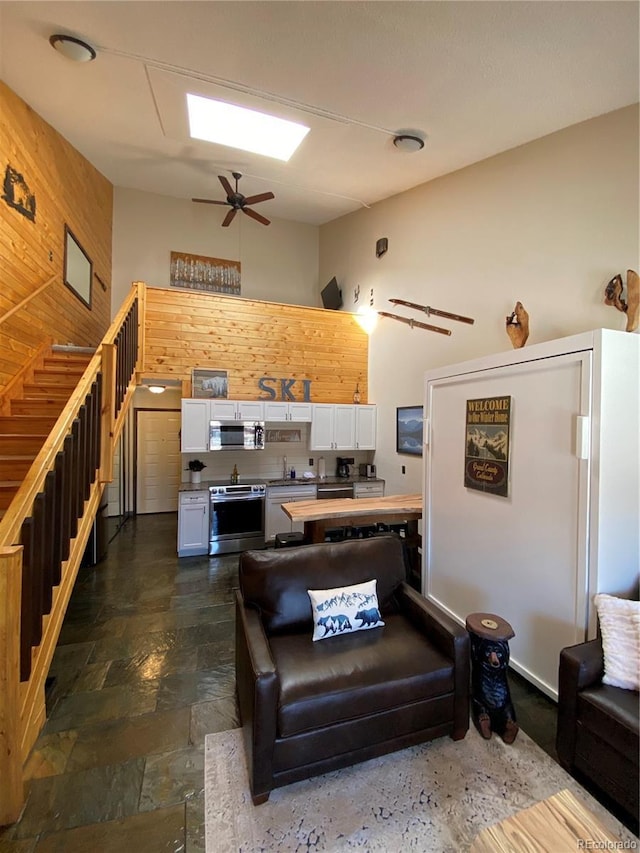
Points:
x=299 y=481
x=352 y=508
x=316 y=481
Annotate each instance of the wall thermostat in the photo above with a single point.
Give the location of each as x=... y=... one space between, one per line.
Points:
x=381 y=246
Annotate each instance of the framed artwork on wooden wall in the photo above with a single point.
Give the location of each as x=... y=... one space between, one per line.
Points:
x=78 y=269
x=197 y=272
x=409 y=430
x=209 y=383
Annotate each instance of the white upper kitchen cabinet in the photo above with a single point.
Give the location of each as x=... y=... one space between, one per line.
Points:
x=365 y=427
x=567 y=527
x=236 y=410
x=344 y=428
x=279 y=412
x=322 y=427
x=332 y=427
x=194 y=435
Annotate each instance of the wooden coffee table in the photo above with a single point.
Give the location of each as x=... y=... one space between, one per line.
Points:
x=554 y=825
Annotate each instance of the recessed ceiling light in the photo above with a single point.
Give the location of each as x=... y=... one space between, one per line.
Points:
x=408 y=142
x=72 y=48
x=239 y=127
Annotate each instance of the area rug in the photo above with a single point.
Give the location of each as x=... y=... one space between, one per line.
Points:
x=432 y=798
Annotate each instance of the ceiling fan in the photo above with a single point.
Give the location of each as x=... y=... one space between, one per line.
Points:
x=237 y=201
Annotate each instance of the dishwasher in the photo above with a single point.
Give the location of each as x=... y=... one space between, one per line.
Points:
x=332 y=491
x=335 y=491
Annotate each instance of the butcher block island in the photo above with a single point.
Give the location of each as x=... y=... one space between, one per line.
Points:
x=320 y=516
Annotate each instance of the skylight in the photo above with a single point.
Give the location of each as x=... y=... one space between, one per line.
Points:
x=239 y=127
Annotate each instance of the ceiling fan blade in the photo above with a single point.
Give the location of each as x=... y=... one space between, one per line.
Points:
x=256 y=216
x=254 y=199
x=227 y=220
x=226 y=186
x=208 y=201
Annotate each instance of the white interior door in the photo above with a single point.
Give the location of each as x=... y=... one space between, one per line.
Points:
x=158 y=461
x=522 y=557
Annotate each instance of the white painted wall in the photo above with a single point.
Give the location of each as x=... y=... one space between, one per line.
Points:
x=548 y=223
x=279 y=261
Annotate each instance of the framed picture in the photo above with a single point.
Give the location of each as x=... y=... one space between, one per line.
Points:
x=409 y=430
x=209 y=383
x=198 y=272
x=78 y=269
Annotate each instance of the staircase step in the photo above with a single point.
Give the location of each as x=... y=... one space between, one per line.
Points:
x=30 y=406
x=21 y=444
x=15 y=467
x=8 y=489
x=53 y=391
x=59 y=373
x=27 y=424
x=80 y=357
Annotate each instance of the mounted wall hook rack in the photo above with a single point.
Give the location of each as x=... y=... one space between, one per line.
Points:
x=428 y=310
x=411 y=322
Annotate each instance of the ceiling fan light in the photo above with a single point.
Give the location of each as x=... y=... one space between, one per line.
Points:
x=74 y=49
x=408 y=142
x=242 y=128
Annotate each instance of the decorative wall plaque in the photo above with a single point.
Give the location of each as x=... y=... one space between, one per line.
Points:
x=17 y=194
x=197 y=272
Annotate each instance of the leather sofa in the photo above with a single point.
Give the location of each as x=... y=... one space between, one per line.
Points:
x=597 y=735
x=309 y=707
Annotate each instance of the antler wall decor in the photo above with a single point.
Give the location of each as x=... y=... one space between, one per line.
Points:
x=517 y=325
x=631 y=307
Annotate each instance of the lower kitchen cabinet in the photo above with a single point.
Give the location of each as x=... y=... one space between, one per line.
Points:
x=276 y=521
x=193 y=523
x=373 y=489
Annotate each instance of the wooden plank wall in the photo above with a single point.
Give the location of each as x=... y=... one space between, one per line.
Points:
x=68 y=189
x=252 y=339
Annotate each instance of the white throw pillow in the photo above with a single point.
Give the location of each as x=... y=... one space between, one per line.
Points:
x=344 y=609
x=620 y=629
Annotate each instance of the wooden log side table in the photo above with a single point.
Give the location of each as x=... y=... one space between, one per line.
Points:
x=491 y=705
x=559 y=824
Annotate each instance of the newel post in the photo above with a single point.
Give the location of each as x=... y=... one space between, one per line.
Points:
x=11 y=786
x=108 y=413
x=142 y=317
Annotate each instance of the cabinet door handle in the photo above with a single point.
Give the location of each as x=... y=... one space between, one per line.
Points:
x=582 y=436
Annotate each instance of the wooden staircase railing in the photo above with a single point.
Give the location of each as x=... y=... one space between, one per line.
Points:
x=44 y=532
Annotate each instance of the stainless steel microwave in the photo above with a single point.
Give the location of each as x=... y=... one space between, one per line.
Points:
x=246 y=435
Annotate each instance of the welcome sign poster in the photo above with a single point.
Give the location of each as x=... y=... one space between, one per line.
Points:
x=486 y=463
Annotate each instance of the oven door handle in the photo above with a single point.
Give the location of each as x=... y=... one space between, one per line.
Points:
x=223 y=499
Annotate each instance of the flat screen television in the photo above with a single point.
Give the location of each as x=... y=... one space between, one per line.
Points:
x=332 y=296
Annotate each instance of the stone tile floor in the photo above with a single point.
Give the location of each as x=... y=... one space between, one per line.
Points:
x=142 y=672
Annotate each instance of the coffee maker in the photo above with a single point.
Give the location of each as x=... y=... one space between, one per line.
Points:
x=343 y=463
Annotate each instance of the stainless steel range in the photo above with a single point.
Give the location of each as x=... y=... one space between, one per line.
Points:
x=236 y=517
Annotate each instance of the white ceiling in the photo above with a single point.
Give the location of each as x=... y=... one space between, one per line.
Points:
x=476 y=77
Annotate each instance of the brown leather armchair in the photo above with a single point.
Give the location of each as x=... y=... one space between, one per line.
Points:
x=309 y=707
x=597 y=733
